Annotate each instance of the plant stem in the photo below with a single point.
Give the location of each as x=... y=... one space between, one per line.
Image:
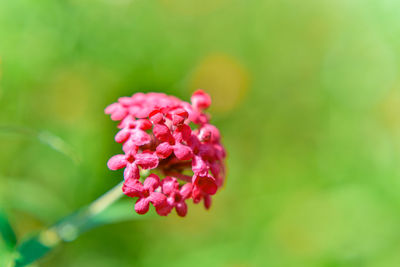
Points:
x=72 y=226
x=68 y=228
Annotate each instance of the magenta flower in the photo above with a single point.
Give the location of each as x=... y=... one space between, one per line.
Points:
x=133 y=133
x=130 y=162
x=118 y=111
x=155 y=133
x=146 y=194
x=176 y=196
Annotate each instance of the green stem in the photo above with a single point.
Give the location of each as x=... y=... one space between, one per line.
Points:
x=69 y=228
x=72 y=226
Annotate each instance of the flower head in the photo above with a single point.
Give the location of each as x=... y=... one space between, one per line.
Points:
x=155 y=133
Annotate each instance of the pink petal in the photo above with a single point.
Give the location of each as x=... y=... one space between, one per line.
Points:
x=202 y=119
x=122 y=135
x=146 y=160
x=131 y=172
x=156 y=116
x=164 y=210
x=144 y=124
x=219 y=151
x=134 y=110
x=162 y=132
x=151 y=182
x=117 y=162
x=180 y=112
x=169 y=185
x=207 y=201
x=215 y=168
x=205 y=135
x=178 y=116
x=140 y=137
x=209 y=133
x=199 y=166
x=119 y=113
x=133 y=188
x=128 y=122
x=200 y=99
x=182 y=133
x=194 y=116
x=196 y=195
x=171 y=201
x=142 y=205
x=160 y=203
x=177 y=120
x=206 y=184
x=194 y=143
x=129 y=147
x=183 y=152
x=181 y=209
x=139 y=97
x=143 y=112
x=206 y=150
x=163 y=150
x=111 y=108
x=158 y=199
x=220 y=181
x=186 y=190
x=126 y=101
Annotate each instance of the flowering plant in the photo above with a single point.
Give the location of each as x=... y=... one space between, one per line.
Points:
x=156 y=133
x=171 y=153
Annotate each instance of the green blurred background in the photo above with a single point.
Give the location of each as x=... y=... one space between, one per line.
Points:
x=306 y=94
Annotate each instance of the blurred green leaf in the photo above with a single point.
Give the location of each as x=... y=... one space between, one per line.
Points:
x=30 y=251
x=54 y=142
x=6 y=256
x=6 y=231
x=8 y=241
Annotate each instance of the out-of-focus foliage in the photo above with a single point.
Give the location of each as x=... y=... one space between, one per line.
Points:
x=306 y=94
x=8 y=241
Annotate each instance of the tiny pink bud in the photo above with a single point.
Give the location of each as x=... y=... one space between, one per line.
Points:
x=200 y=99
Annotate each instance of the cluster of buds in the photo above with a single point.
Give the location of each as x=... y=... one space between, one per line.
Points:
x=156 y=134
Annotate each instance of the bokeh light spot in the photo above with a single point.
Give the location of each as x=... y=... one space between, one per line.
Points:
x=49 y=238
x=389 y=110
x=68 y=97
x=224 y=78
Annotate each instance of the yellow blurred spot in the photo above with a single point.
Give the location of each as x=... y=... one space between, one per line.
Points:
x=224 y=78
x=389 y=110
x=68 y=95
x=191 y=8
x=49 y=238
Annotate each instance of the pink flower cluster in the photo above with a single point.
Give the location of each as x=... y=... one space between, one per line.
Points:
x=155 y=133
